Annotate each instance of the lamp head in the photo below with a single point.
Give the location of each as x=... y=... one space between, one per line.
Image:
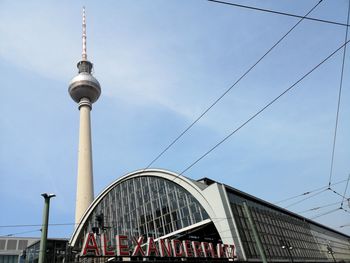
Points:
x=46 y=195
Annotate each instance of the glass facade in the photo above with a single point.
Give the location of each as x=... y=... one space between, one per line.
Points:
x=331 y=244
x=145 y=206
x=8 y=259
x=283 y=236
x=56 y=252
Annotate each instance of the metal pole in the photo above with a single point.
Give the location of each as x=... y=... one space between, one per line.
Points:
x=330 y=251
x=42 y=251
x=255 y=233
x=290 y=254
x=333 y=258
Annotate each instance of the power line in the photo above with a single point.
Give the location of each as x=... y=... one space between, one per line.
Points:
x=34 y=225
x=19 y=233
x=318 y=207
x=347 y=225
x=345 y=210
x=324 y=189
x=279 y=13
x=331 y=211
x=262 y=109
x=309 y=192
x=306 y=198
x=335 y=192
x=326 y=213
x=339 y=99
x=346 y=188
x=230 y=88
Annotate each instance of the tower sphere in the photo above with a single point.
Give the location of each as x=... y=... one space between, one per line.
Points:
x=84 y=85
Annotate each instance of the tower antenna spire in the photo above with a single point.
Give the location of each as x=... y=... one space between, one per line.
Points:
x=84 y=54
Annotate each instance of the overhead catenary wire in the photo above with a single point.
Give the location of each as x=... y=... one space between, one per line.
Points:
x=318 y=207
x=339 y=101
x=35 y=225
x=20 y=233
x=309 y=192
x=346 y=188
x=335 y=192
x=306 y=198
x=262 y=109
x=345 y=210
x=328 y=188
x=230 y=88
x=326 y=213
x=32 y=225
x=325 y=189
x=278 y=12
x=347 y=225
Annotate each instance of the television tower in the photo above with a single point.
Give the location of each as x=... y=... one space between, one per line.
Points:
x=84 y=90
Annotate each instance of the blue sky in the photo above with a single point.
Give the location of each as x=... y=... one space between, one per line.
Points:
x=160 y=65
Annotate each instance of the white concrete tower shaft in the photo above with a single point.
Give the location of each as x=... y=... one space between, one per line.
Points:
x=85 y=90
x=85 y=184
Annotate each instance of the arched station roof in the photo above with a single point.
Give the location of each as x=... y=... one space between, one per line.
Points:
x=192 y=187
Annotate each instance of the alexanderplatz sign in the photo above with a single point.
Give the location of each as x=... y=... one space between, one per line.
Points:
x=96 y=246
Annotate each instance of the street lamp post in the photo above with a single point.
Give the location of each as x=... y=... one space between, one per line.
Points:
x=331 y=252
x=42 y=251
x=286 y=245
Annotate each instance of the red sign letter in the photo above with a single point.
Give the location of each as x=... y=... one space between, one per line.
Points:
x=122 y=248
x=104 y=245
x=151 y=247
x=164 y=248
x=231 y=251
x=138 y=248
x=177 y=248
x=187 y=248
x=205 y=249
x=90 y=245
x=222 y=250
x=212 y=250
x=197 y=249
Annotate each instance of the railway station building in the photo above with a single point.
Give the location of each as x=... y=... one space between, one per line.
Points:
x=159 y=215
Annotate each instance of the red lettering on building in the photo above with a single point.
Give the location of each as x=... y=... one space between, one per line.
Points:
x=90 y=245
x=232 y=251
x=205 y=249
x=105 y=249
x=187 y=248
x=220 y=250
x=212 y=250
x=177 y=248
x=122 y=247
x=151 y=247
x=164 y=248
x=138 y=249
x=197 y=249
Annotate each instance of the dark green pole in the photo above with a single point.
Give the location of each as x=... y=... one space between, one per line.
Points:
x=330 y=251
x=255 y=233
x=42 y=251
